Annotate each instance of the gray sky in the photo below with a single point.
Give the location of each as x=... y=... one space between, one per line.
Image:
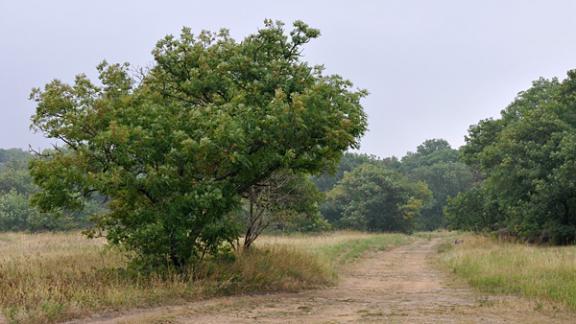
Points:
x=433 y=68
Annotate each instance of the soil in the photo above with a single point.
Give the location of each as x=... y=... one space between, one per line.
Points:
x=402 y=285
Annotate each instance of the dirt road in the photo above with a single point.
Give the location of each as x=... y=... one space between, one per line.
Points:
x=397 y=286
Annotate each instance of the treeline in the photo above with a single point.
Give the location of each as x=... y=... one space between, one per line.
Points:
x=526 y=162
x=16 y=189
x=369 y=193
x=364 y=192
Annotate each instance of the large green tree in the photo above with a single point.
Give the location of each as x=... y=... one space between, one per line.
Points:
x=528 y=159
x=176 y=149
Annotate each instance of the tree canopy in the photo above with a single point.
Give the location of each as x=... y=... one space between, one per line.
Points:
x=375 y=198
x=175 y=149
x=528 y=161
x=438 y=165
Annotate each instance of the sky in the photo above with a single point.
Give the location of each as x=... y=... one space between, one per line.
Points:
x=433 y=68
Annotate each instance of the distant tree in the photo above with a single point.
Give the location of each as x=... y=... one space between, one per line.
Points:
x=473 y=210
x=428 y=153
x=16 y=187
x=329 y=178
x=374 y=198
x=14 y=175
x=176 y=151
x=437 y=164
x=13 y=156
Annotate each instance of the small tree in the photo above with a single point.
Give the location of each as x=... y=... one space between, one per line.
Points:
x=177 y=150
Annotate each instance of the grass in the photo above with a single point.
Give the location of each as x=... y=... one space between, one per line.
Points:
x=544 y=273
x=48 y=278
x=339 y=248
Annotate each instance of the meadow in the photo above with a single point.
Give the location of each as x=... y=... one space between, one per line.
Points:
x=537 y=272
x=53 y=277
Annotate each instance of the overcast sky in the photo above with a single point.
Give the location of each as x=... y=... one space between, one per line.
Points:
x=432 y=68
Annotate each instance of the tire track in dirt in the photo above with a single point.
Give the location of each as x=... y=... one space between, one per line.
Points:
x=401 y=285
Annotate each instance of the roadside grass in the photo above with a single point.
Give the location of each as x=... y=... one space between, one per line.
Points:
x=337 y=249
x=46 y=278
x=541 y=273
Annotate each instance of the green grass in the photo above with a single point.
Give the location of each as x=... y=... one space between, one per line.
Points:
x=346 y=252
x=47 y=278
x=547 y=273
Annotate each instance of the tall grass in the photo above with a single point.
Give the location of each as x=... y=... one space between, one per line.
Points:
x=512 y=268
x=47 y=278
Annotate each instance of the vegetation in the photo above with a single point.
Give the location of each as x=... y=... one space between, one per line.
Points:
x=53 y=277
x=176 y=151
x=374 y=198
x=349 y=161
x=370 y=204
x=16 y=213
x=177 y=170
x=548 y=273
x=527 y=163
x=438 y=165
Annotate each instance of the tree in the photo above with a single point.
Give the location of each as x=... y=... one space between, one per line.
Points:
x=473 y=210
x=175 y=151
x=437 y=164
x=374 y=198
x=349 y=161
x=528 y=162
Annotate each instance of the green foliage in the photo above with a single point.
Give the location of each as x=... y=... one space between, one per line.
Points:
x=374 y=198
x=473 y=210
x=16 y=187
x=428 y=153
x=349 y=161
x=14 y=175
x=13 y=156
x=436 y=164
x=176 y=151
x=528 y=160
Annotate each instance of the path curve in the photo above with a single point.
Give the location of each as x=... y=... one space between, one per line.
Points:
x=401 y=285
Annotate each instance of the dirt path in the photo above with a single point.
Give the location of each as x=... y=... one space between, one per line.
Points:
x=397 y=286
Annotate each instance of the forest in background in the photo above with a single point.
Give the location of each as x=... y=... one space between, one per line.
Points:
x=364 y=192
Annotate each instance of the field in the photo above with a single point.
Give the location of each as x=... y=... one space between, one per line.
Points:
x=540 y=273
x=56 y=277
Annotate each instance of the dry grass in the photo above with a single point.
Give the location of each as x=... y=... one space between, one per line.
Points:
x=54 y=277
x=543 y=273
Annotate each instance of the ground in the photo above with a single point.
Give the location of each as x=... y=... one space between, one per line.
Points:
x=402 y=285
